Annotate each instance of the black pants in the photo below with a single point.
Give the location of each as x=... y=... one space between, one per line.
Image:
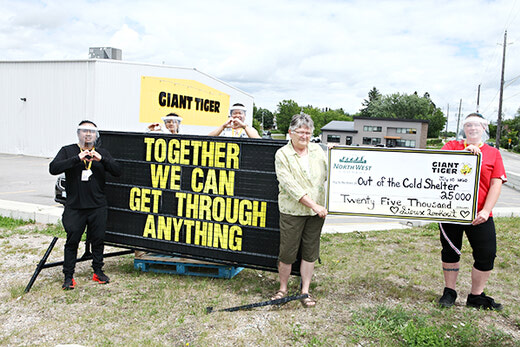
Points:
x=74 y=222
x=482 y=239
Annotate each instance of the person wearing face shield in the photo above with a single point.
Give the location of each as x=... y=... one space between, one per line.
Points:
x=172 y=124
x=85 y=166
x=481 y=232
x=235 y=126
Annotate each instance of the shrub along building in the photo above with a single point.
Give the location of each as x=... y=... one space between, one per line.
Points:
x=367 y=131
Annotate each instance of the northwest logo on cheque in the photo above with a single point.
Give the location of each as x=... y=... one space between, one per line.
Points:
x=353 y=163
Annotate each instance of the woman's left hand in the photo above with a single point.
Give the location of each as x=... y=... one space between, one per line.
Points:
x=482 y=216
x=473 y=149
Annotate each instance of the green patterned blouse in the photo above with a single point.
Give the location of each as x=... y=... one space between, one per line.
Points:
x=295 y=182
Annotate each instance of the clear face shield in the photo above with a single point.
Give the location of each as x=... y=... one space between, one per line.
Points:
x=238 y=112
x=172 y=123
x=475 y=128
x=87 y=135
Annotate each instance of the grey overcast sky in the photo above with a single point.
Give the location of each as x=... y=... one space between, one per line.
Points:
x=326 y=53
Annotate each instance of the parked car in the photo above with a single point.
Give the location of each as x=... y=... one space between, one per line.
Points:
x=266 y=134
x=60 y=195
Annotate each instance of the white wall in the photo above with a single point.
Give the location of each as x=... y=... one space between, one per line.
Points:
x=52 y=91
x=62 y=93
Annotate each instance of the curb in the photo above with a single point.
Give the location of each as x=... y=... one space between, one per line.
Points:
x=343 y=228
x=52 y=215
x=497 y=212
x=506 y=211
x=513 y=180
x=26 y=211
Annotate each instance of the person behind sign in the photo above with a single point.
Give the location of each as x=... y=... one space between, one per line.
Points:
x=172 y=124
x=481 y=233
x=301 y=170
x=235 y=126
x=85 y=166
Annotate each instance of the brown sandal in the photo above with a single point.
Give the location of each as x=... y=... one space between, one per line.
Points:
x=308 y=301
x=280 y=294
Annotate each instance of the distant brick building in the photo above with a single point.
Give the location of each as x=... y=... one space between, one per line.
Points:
x=367 y=131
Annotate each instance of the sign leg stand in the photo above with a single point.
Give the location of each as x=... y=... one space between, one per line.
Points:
x=40 y=265
x=87 y=256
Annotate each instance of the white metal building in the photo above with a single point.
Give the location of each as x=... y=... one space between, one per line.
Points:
x=42 y=102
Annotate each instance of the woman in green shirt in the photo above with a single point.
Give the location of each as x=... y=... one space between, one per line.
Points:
x=301 y=169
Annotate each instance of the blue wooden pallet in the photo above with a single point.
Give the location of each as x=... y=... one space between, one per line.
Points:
x=182 y=268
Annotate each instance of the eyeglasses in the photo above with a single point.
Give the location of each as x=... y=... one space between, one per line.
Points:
x=302 y=133
x=87 y=131
x=473 y=125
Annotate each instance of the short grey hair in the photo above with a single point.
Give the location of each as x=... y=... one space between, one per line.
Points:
x=301 y=120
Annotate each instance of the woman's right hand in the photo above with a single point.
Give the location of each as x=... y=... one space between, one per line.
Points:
x=154 y=127
x=321 y=211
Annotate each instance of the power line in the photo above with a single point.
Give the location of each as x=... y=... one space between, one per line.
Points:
x=511 y=96
x=509 y=20
x=511 y=81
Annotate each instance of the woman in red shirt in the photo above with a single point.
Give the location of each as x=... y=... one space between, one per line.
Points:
x=481 y=232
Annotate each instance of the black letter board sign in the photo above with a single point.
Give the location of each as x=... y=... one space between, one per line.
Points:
x=210 y=198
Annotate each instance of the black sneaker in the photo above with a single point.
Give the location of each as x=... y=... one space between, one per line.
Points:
x=483 y=301
x=68 y=284
x=448 y=297
x=100 y=277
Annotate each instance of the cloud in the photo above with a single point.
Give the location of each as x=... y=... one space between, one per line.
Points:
x=327 y=54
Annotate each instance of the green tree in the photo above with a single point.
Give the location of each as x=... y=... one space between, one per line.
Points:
x=264 y=114
x=373 y=95
x=257 y=126
x=510 y=130
x=316 y=116
x=286 y=109
x=404 y=106
x=327 y=116
x=492 y=131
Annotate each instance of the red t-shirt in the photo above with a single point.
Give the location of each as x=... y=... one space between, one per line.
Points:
x=491 y=167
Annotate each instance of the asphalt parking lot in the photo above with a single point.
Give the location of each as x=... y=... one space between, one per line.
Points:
x=26 y=179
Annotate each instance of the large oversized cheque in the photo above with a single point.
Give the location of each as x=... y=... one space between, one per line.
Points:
x=415 y=184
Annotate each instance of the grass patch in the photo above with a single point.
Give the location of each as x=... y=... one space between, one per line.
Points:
x=398 y=326
x=56 y=230
x=278 y=136
x=9 y=223
x=374 y=288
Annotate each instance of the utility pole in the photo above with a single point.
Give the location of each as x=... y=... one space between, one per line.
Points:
x=499 y=119
x=447 y=121
x=458 y=119
x=478 y=97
